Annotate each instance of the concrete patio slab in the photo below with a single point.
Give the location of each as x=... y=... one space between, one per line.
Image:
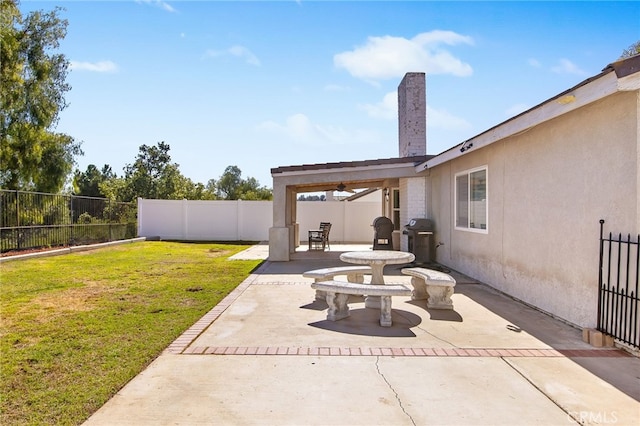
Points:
x=265 y=316
x=579 y=392
x=267 y=356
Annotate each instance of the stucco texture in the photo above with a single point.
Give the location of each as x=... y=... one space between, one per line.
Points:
x=548 y=187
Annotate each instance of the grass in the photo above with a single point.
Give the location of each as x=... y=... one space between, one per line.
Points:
x=78 y=327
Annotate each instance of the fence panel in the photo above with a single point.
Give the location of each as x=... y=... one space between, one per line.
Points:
x=618 y=287
x=350 y=221
x=250 y=220
x=31 y=220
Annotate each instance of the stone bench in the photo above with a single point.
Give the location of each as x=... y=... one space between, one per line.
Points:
x=337 y=294
x=435 y=286
x=355 y=274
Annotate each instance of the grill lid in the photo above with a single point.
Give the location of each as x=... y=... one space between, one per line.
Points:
x=382 y=221
x=419 y=224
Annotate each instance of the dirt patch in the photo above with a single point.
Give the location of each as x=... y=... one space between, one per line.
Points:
x=218 y=252
x=74 y=299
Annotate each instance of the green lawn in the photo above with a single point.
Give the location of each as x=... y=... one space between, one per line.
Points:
x=75 y=328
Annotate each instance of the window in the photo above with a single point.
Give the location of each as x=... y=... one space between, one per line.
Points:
x=471 y=200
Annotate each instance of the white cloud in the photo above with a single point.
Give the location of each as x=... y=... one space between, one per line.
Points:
x=298 y=128
x=391 y=57
x=101 y=66
x=336 y=88
x=565 y=66
x=534 y=63
x=244 y=53
x=386 y=109
x=238 y=52
x=159 y=3
x=442 y=119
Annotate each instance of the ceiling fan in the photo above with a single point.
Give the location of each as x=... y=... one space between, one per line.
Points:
x=341 y=187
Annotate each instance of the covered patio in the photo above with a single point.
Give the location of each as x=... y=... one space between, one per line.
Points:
x=290 y=181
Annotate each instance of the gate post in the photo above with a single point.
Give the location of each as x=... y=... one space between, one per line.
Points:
x=598 y=325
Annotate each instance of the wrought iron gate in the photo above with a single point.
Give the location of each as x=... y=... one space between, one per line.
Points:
x=618 y=287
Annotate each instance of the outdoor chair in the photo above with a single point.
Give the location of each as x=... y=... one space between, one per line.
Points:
x=319 y=238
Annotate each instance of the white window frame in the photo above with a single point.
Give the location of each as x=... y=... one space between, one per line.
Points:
x=468 y=173
x=395 y=209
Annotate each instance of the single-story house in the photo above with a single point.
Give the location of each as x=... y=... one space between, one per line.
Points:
x=517 y=206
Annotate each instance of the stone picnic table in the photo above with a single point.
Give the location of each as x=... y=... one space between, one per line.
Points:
x=377 y=260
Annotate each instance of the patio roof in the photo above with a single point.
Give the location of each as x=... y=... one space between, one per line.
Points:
x=350 y=164
x=354 y=174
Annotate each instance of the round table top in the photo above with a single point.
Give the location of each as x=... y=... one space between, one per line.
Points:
x=377 y=257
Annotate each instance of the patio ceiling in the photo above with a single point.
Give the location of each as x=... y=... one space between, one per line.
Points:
x=349 y=185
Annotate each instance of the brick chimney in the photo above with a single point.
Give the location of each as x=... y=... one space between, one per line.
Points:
x=412 y=115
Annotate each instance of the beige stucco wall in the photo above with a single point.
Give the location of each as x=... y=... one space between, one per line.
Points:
x=548 y=188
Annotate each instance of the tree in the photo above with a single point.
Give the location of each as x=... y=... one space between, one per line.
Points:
x=303 y=197
x=211 y=188
x=231 y=186
x=32 y=87
x=153 y=176
x=144 y=176
x=634 y=49
x=88 y=183
x=228 y=186
x=250 y=189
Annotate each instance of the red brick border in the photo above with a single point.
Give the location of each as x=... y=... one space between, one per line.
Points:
x=402 y=352
x=181 y=344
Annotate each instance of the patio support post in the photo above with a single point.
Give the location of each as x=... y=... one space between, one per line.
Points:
x=279 y=234
x=292 y=220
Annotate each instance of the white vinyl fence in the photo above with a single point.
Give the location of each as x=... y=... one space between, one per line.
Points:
x=250 y=220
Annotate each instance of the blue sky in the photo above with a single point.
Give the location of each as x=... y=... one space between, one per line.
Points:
x=267 y=84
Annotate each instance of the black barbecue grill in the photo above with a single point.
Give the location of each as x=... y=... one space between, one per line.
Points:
x=420 y=232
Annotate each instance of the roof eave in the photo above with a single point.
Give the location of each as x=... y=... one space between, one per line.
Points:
x=349 y=165
x=618 y=76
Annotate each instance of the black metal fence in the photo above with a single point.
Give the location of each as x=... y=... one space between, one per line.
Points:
x=31 y=220
x=618 y=283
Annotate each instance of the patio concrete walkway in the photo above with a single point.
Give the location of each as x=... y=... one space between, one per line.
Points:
x=267 y=356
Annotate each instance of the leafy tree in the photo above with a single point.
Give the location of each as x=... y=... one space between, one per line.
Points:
x=211 y=187
x=88 y=183
x=114 y=189
x=634 y=49
x=228 y=186
x=150 y=175
x=32 y=87
x=231 y=186
x=201 y=192
x=153 y=176
x=312 y=197
x=250 y=189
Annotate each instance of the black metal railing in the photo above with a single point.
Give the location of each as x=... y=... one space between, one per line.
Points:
x=618 y=287
x=30 y=220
